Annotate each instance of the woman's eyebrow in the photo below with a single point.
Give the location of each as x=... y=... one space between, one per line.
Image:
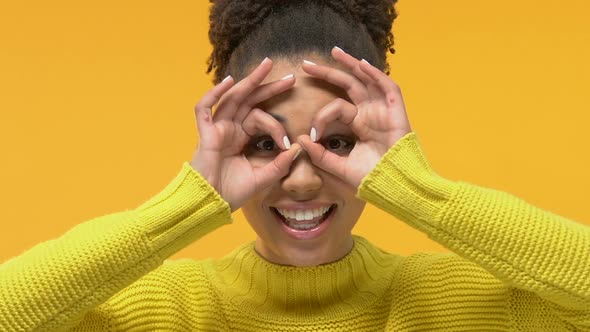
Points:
x=279 y=118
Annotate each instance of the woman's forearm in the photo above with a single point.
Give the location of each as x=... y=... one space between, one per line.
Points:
x=54 y=284
x=522 y=245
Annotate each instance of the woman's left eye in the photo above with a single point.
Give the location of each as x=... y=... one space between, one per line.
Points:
x=339 y=143
x=265 y=143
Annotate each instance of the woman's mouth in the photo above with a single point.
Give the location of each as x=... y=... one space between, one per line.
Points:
x=304 y=224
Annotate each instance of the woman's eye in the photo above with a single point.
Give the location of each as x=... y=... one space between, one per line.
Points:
x=264 y=143
x=339 y=143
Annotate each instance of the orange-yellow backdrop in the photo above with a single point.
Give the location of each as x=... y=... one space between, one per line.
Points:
x=96 y=104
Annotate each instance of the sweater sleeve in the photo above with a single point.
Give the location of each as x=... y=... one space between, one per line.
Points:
x=525 y=247
x=53 y=285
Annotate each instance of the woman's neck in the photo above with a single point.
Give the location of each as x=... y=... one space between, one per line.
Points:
x=305 y=257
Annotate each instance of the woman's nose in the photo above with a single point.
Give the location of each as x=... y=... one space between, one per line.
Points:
x=303 y=176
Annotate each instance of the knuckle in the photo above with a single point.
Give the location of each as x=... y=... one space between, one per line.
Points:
x=199 y=105
x=392 y=96
x=256 y=114
x=339 y=102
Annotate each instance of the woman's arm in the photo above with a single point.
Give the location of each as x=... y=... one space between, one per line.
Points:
x=525 y=247
x=52 y=286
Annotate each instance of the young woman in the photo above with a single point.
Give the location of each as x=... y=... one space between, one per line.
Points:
x=303 y=134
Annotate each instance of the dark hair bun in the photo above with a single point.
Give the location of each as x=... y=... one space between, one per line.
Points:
x=231 y=21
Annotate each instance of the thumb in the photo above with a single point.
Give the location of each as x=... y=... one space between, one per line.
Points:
x=321 y=157
x=278 y=168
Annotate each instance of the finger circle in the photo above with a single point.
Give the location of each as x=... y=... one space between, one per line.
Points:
x=323 y=158
x=337 y=110
x=259 y=121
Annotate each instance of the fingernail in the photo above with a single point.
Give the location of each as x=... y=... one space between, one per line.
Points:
x=286 y=142
x=287 y=77
x=227 y=78
x=365 y=61
x=339 y=49
x=309 y=63
x=313 y=134
x=297 y=154
x=265 y=60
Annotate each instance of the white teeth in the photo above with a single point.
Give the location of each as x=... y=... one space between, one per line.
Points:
x=303 y=226
x=301 y=215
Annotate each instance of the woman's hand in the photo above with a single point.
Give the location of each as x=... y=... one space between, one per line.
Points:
x=223 y=136
x=377 y=116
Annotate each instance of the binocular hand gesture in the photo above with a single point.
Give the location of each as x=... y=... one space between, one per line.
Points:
x=375 y=113
x=225 y=133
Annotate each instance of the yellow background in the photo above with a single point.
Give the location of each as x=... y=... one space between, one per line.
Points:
x=96 y=104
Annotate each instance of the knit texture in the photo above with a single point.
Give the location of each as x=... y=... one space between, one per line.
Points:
x=513 y=267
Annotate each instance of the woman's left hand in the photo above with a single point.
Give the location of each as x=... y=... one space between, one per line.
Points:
x=377 y=116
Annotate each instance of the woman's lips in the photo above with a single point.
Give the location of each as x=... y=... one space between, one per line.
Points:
x=306 y=234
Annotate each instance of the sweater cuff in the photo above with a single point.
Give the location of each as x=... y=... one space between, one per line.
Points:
x=404 y=185
x=187 y=209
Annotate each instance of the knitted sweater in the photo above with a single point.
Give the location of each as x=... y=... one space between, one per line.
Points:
x=513 y=267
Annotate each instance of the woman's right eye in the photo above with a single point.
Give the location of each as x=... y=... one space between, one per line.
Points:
x=263 y=144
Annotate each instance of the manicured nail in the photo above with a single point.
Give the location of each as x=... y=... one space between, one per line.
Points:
x=286 y=142
x=288 y=77
x=227 y=78
x=265 y=60
x=309 y=63
x=313 y=134
x=339 y=49
x=365 y=61
x=297 y=154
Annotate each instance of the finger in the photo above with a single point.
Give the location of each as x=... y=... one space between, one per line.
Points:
x=352 y=64
x=262 y=93
x=278 y=168
x=385 y=83
x=337 y=110
x=324 y=159
x=229 y=103
x=259 y=121
x=356 y=90
x=203 y=108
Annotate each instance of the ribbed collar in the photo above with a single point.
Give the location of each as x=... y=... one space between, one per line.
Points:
x=338 y=289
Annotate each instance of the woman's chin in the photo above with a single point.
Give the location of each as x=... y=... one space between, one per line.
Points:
x=303 y=253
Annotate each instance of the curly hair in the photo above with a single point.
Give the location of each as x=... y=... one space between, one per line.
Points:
x=243 y=32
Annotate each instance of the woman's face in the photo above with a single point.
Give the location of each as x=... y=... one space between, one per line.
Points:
x=281 y=239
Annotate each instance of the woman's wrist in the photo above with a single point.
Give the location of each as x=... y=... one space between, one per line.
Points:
x=404 y=184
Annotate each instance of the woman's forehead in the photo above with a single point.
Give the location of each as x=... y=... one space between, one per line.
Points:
x=307 y=92
x=308 y=96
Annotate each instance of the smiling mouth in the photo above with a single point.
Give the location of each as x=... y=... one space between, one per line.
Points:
x=303 y=225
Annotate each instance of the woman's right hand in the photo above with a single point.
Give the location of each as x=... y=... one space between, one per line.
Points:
x=223 y=136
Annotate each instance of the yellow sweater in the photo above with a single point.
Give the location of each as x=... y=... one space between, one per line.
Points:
x=514 y=267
